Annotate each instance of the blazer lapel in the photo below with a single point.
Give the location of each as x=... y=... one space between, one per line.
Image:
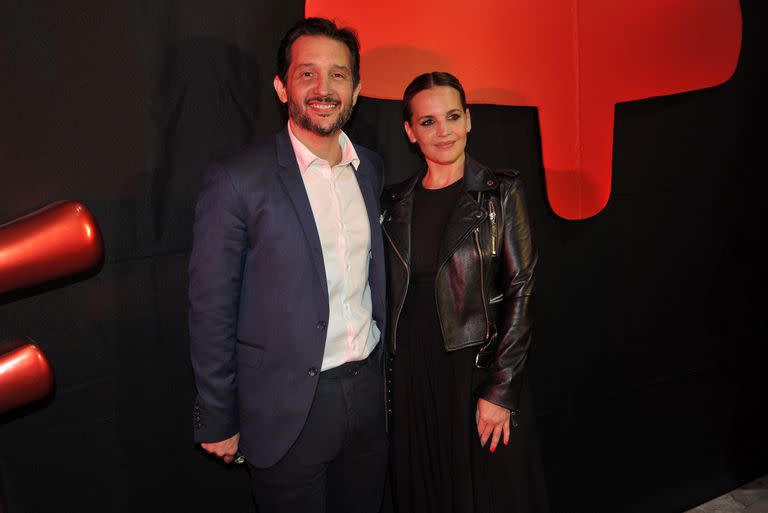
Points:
x=294 y=187
x=365 y=181
x=376 y=277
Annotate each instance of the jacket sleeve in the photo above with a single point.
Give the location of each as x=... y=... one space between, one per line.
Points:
x=215 y=278
x=514 y=317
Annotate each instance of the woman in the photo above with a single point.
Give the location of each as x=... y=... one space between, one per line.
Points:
x=461 y=265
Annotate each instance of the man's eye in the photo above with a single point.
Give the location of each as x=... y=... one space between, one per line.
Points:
x=339 y=76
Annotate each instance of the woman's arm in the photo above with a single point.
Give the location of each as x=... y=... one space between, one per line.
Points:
x=514 y=316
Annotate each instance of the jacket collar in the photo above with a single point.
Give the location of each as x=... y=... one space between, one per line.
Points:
x=477 y=177
x=290 y=175
x=466 y=215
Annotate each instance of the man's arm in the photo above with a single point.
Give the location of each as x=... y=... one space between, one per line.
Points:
x=215 y=278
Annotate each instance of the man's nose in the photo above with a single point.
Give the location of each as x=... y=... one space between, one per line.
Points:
x=322 y=85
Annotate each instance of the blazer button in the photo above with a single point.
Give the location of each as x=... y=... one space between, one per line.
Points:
x=321 y=325
x=478 y=215
x=312 y=371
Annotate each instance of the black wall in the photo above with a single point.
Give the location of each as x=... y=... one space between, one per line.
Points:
x=648 y=370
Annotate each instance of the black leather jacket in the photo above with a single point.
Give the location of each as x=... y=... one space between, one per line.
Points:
x=485 y=276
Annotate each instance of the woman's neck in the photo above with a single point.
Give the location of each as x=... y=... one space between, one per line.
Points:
x=443 y=175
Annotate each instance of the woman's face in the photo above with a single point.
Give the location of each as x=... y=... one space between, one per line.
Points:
x=439 y=124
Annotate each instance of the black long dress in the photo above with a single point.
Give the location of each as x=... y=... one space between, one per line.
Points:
x=438 y=464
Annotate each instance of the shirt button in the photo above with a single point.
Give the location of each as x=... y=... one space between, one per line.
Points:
x=312 y=371
x=478 y=215
x=321 y=325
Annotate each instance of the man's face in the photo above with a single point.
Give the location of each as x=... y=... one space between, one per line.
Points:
x=319 y=88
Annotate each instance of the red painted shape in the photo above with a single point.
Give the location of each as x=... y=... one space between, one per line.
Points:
x=58 y=240
x=573 y=59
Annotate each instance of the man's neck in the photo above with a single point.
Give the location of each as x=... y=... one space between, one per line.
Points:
x=324 y=146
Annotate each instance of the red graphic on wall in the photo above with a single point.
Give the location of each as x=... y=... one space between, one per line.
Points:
x=573 y=60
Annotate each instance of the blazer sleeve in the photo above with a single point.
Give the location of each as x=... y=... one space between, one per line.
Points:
x=514 y=320
x=215 y=278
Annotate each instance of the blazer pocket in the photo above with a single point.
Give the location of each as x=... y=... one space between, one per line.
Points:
x=250 y=356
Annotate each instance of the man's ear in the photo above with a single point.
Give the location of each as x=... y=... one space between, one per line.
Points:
x=280 y=89
x=356 y=92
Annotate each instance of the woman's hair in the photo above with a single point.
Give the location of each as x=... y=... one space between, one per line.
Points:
x=428 y=81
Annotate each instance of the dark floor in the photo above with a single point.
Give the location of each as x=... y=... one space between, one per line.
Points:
x=750 y=498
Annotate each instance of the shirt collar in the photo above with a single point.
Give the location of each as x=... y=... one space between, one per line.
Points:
x=305 y=158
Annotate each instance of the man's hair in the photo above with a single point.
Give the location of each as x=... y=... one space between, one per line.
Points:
x=318 y=27
x=428 y=81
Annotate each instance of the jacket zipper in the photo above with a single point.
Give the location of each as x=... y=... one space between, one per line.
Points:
x=405 y=294
x=492 y=218
x=482 y=278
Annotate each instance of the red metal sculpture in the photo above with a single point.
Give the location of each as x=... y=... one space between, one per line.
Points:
x=25 y=374
x=58 y=240
x=54 y=242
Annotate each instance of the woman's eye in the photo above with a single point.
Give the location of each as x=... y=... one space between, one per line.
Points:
x=454 y=117
x=426 y=122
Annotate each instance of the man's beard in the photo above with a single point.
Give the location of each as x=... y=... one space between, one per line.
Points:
x=301 y=118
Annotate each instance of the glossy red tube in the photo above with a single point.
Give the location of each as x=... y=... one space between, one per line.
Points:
x=56 y=241
x=25 y=374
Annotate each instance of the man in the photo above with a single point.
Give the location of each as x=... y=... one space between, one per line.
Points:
x=287 y=294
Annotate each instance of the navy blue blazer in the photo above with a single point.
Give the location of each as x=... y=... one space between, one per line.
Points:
x=258 y=297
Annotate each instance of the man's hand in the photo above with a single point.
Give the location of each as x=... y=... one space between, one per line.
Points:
x=226 y=449
x=492 y=422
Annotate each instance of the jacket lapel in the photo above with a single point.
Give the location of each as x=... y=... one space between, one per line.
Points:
x=397 y=224
x=465 y=217
x=468 y=213
x=294 y=187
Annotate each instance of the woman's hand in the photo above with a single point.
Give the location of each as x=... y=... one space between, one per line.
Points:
x=492 y=421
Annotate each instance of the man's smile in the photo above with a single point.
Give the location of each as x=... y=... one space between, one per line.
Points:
x=322 y=105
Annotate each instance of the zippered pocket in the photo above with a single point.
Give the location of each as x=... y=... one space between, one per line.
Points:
x=492 y=219
x=486 y=352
